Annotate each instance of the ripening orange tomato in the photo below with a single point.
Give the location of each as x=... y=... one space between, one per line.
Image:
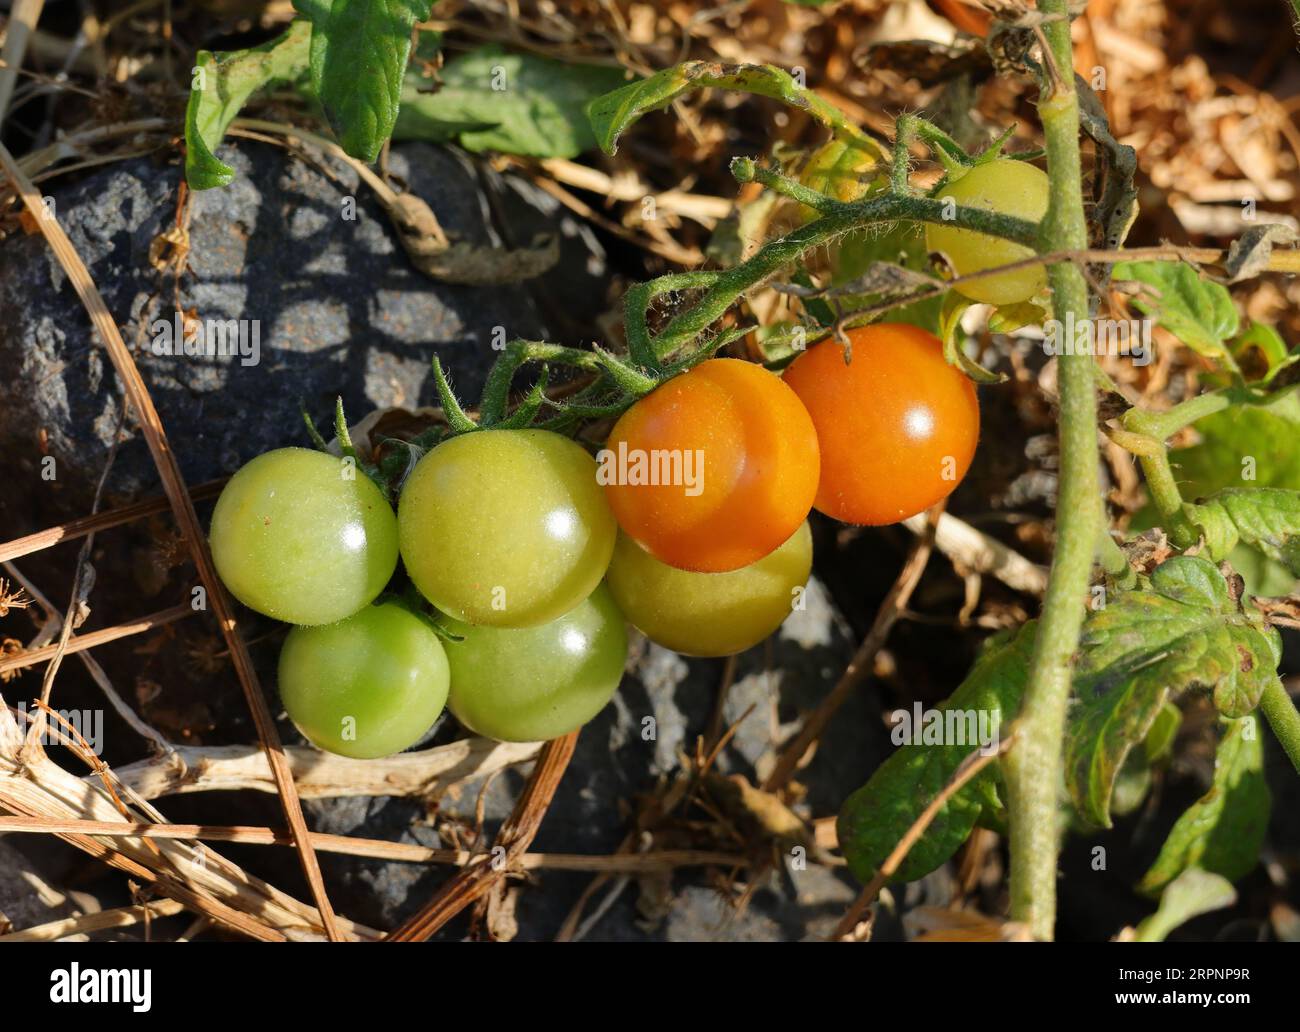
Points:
x=897 y=425
x=714 y=469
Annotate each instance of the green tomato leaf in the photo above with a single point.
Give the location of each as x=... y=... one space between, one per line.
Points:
x=1222 y=831
x=1195 y=310
x=1265 y=518
x=1184 y=633
x=1131 y=784
x=359 y=50
x=1250 y=445
x=1134 y=778
x=877 y=815
x=1191 y=894
x=612 y=114
x=1159 y=741
x=513 y=103
x=223 y=82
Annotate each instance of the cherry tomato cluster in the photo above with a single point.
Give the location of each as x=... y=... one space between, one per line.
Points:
x=529 y=554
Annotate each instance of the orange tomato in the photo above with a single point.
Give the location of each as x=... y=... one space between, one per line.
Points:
x=714 y=469
x=897 y=425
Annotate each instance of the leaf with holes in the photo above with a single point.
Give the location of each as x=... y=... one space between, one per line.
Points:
x=1186 y=632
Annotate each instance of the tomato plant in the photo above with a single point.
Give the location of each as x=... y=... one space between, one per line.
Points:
x=695 y=512
x=506 y=528
x=303 y=536
x=714 y=469
x=525 y=684
x=896 y=423
x=709 y=614
x=367 y=686
x=1002 y=185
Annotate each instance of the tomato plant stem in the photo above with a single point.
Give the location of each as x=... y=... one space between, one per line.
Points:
x=723 y=289
x=1279 y=709
x=1034 y=763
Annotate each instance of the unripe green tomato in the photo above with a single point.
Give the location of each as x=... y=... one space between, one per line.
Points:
x=368 y=686
x=505 y=528
x=530 y=684
x=1011 y=188
x=709 y=614
x=303 y=536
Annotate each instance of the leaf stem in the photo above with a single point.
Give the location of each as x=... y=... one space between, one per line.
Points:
x=1163 y=425
x=1280 y=711
x=1033 y=765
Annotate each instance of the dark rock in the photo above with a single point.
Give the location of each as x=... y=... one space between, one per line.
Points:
x=338 y=308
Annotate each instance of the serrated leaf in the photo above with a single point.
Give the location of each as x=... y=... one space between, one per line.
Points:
x=1245 y=441
x=223 y=82
x=1265 y=518
x=1262 y=575
x=878 y=814
x=358 y=55
x=613 y=113
x=1222 y=831
x=1191 y=894
x=524 y=104
x=1197 y=311
x=1185 y=633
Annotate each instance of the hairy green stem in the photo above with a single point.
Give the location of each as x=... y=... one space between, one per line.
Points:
x=500 y=378
x=945 y=149
x=1163 y=425
x=838 y=219
x=1033 y=765
x=1279 y=709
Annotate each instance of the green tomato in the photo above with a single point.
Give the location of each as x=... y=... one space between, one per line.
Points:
x=303 y=536
x=529 y=684
x=368 y=686
x=505 y=528
x=709 y=614
x=1011 y=188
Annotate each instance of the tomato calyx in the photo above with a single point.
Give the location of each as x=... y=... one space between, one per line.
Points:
x=345 y=446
